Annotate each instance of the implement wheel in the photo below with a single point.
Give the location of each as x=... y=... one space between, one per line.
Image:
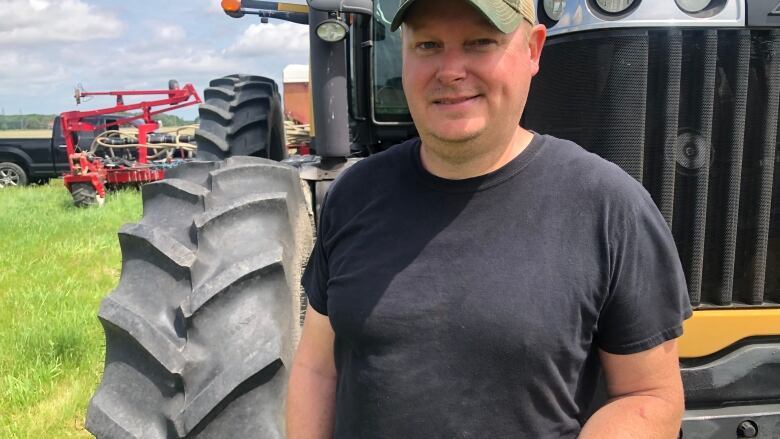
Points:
x=241 y=116
x=201 y=329
x=85 y=195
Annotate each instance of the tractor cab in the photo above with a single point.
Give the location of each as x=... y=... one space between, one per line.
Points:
x=357 y=87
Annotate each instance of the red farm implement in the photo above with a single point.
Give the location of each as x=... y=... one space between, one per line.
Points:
x=143 y=156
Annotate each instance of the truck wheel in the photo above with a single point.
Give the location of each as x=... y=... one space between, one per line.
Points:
x=84 y=195
x=12 y=174
x=241 y=116
x=201 y=329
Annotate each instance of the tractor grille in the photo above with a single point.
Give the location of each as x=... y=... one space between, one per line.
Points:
x=693 y=115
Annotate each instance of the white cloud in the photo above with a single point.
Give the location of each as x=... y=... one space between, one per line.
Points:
x=20 y=71
x=170 y=34
x=48 y=46
x=30 y=22
x=39 y=5
x=272 y=39
x=262 y=49
x=161 y=63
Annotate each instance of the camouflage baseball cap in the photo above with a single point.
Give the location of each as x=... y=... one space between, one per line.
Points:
x=506 y=15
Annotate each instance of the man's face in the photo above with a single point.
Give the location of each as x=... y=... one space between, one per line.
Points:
x=464 y=79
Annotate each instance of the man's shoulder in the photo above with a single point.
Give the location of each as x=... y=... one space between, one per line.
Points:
x=374 y=173
x=588 y=174
x=576 y=161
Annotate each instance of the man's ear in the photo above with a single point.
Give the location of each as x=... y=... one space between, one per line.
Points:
x=536 y=38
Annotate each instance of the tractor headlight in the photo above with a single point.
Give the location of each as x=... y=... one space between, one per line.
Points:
x=614 y=6
x=554 y=9
x=693 y=6
x=332 y=30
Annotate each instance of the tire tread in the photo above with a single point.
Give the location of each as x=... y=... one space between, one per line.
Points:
x=241 y=115
x=192 y=383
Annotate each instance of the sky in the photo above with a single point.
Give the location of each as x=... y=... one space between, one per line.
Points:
x=48 y=47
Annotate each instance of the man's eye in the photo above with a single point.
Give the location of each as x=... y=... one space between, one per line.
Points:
x=427 y=45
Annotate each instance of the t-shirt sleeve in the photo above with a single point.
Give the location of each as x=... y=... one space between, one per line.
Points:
x=647 y=300
x=316 y=275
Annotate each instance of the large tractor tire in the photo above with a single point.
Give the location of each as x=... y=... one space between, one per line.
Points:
x=241 y=116
x=201 y=329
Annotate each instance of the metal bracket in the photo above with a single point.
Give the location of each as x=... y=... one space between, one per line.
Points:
x=758 y=421
x=318 y=169
x=355 y=6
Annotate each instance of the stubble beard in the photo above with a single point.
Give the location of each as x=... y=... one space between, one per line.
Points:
x=453 y=150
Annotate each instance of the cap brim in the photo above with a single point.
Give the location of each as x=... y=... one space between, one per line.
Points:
x=400 y=15
x=497 y=12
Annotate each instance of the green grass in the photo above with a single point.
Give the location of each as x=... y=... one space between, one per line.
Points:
x=56 y=263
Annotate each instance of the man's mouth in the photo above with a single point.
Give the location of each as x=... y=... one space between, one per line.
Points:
x=454 y=100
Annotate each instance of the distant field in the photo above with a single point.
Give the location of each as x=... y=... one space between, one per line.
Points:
x=25 y=134
x=56 y=263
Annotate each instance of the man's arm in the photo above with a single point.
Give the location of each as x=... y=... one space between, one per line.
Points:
x=311 y=393
x=646 y=396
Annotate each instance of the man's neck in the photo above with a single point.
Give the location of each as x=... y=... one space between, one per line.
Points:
x=482 y=159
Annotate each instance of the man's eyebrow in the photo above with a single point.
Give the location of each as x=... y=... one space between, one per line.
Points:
x=422 y=35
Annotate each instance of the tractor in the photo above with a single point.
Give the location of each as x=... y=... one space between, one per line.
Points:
x=682 y=94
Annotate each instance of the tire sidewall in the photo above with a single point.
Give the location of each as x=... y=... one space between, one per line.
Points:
x=16 y=169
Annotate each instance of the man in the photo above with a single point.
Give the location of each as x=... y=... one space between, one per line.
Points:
x=477 y=281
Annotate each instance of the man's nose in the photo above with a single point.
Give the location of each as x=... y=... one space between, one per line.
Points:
x=452 y=66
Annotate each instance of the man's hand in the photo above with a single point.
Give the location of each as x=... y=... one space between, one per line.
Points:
x=646 y=396
x=311 y=394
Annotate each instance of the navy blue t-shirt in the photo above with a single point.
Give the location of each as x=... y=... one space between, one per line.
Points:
x=476 y=308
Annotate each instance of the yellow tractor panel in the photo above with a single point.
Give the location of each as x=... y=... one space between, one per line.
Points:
x=709 y=331
x=292 y=7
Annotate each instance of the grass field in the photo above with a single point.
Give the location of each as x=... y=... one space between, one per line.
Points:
x=56 y=263
x=25 y=134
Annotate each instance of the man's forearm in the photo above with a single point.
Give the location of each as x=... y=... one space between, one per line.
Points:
x=311 y=400
x=645 y=417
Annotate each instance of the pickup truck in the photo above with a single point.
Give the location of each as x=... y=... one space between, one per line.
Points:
x=24 y=161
